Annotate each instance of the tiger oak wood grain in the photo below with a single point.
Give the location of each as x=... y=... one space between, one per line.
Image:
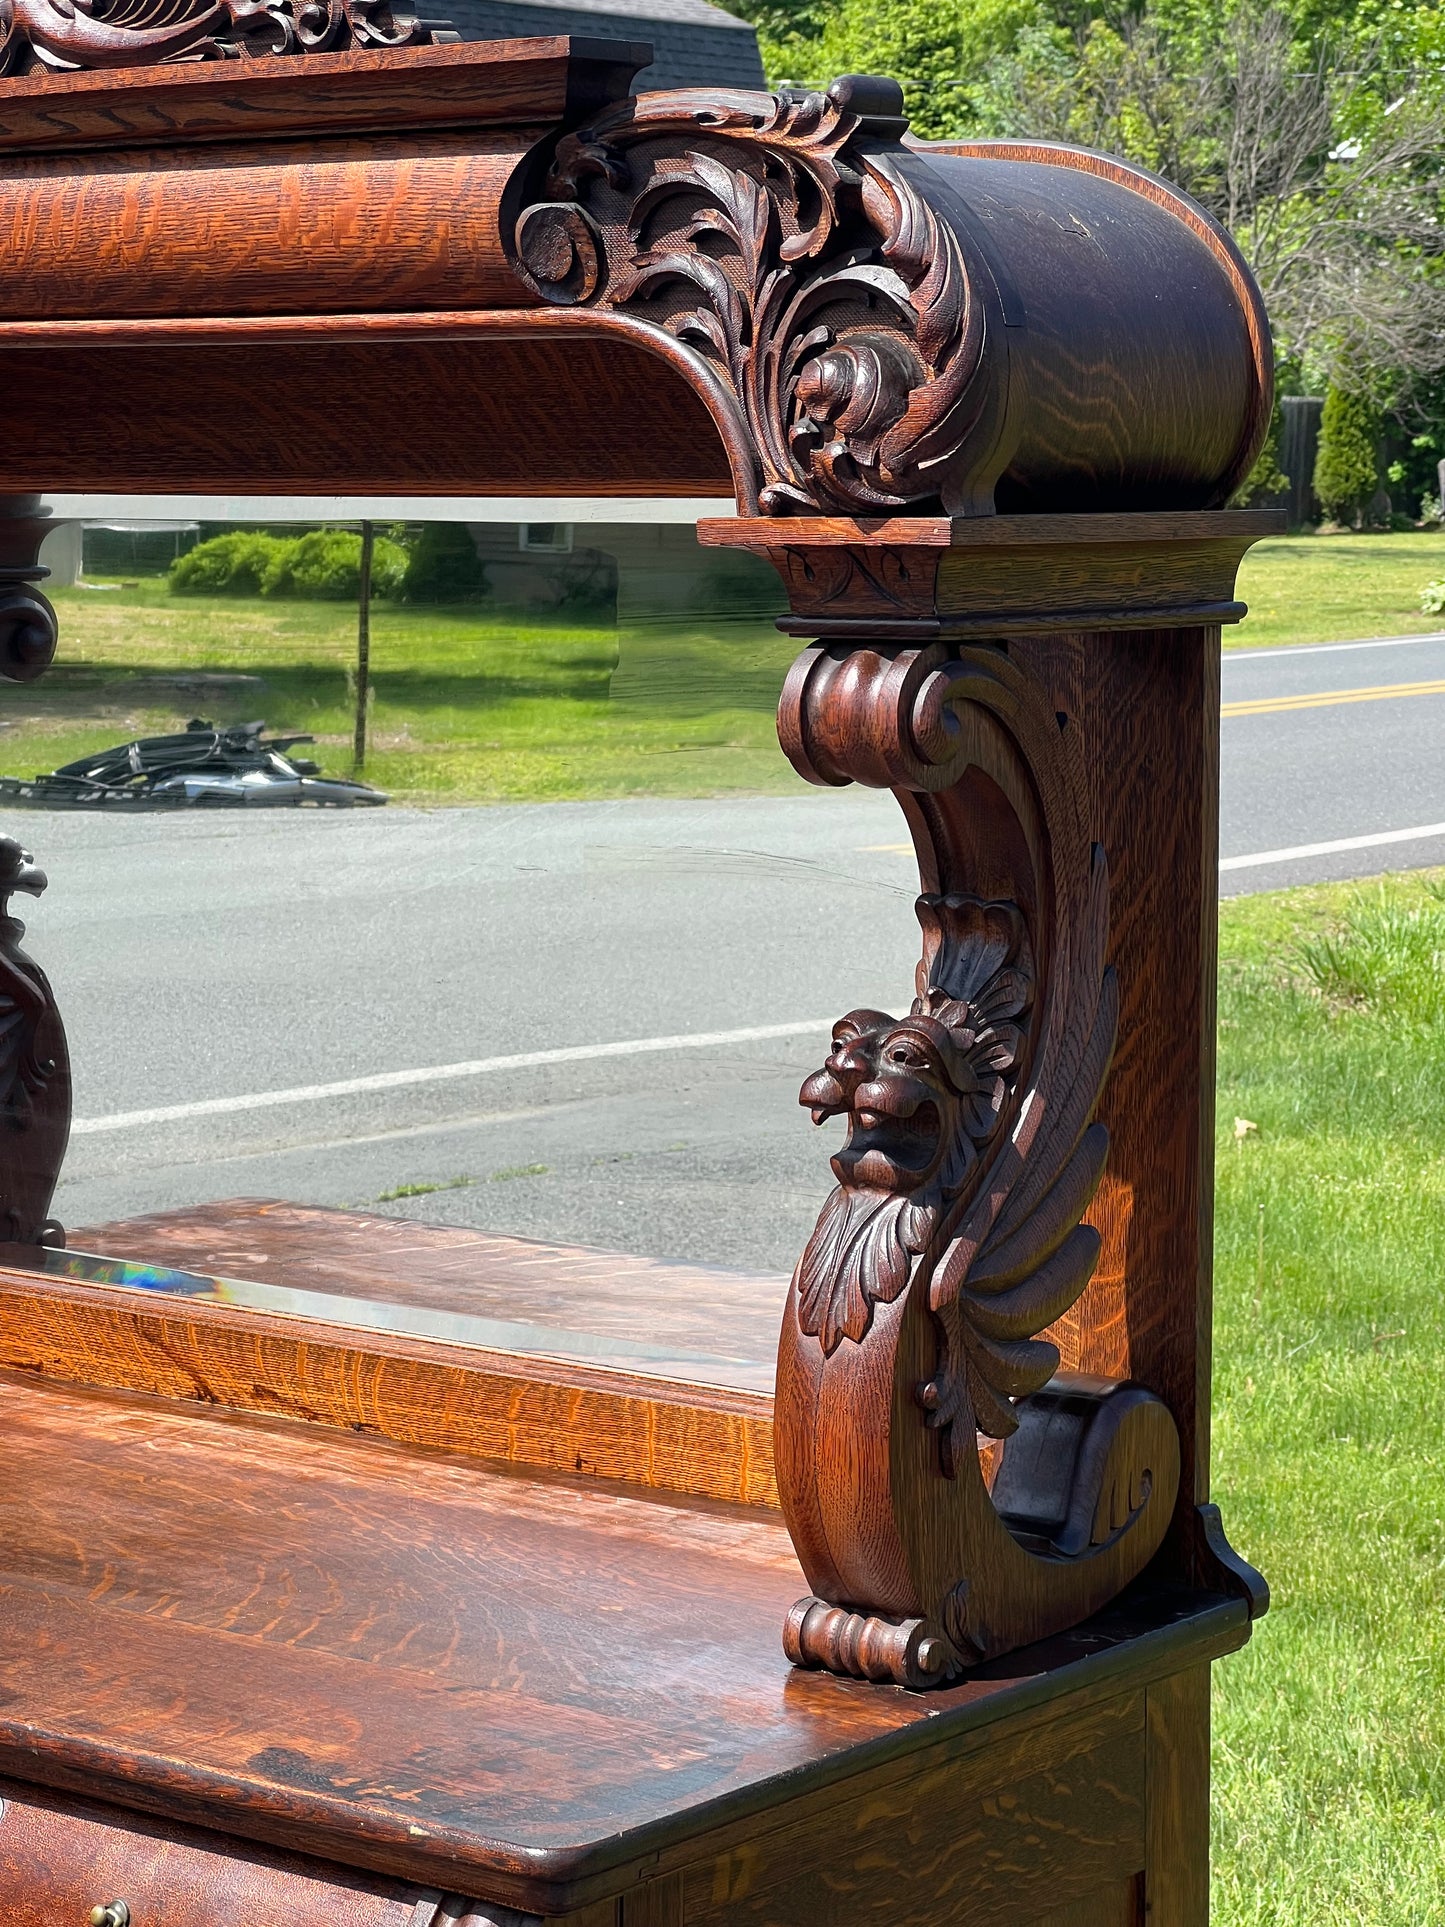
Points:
x=1148 y=705
x=384 y=221
x=1000 y=575
x=551 y=1415
x=1033 y=1820
x=1177 y=1736
x=380 y=1657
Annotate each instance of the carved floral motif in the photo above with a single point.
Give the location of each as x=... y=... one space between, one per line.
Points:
x=786 y=242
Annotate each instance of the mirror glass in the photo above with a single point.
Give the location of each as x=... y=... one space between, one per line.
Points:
x=510 y=1059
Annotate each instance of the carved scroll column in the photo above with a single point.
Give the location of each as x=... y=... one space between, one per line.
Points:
x=987 y=1418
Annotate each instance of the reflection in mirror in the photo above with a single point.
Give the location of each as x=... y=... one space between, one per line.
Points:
x=512 y=1062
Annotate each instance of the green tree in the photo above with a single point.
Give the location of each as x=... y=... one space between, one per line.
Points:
x=444 y=566
x=1347 y=468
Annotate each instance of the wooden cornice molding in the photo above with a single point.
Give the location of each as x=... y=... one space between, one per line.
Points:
x=547 y=81
x=860 y=580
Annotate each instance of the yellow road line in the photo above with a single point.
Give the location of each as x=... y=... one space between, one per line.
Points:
x=1326 y=698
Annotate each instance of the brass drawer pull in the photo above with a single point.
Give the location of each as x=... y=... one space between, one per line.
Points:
x=113 y=1913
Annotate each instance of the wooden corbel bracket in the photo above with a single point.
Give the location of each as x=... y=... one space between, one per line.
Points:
x=949 y=1493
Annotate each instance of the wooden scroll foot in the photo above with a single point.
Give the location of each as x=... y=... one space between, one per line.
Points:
x=28 y=629
x=34 y=1072
x=950 y=1494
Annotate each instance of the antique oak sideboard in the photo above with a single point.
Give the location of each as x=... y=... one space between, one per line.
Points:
x=308 y=1615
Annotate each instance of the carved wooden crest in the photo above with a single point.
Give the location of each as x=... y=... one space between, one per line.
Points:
x=914 y=1340
x=68 y=34
x=789 y=242
x=34 y=1071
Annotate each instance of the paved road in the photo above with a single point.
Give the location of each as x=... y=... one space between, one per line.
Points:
x=1332 y=743
x=211 y=958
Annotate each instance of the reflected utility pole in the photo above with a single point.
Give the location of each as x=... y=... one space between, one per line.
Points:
x=363 y=647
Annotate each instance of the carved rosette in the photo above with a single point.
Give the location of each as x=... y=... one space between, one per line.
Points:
x=62 y=35
x=915 y=1338
x=788 y=243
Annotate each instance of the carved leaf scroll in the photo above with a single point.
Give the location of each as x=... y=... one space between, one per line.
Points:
x=62 y=35
x=786 y=243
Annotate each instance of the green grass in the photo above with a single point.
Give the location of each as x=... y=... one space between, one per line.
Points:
x=1334 y=588
x=1329 y=1400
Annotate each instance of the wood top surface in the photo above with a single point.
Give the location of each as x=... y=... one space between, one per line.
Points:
x=490 y=83
x=698 y=1323
x=502 y=1684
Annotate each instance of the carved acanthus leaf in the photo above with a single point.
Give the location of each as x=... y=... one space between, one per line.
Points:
x=70 y=34
x=790 y=249
x=1021 y=1258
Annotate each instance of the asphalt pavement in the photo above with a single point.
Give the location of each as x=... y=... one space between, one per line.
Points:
x=584 y=1021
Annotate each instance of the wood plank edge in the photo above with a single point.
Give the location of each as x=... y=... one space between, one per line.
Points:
x=550 y=1414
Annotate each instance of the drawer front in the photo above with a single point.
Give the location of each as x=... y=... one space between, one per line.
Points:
x=59 y=1858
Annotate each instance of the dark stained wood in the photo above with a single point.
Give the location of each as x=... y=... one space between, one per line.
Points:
x=542 y=1668
x=28 y=631
x=1177 y=1734
x=496 y=83
x=1047 y=1816
x=381 y=1657
x=953 y=1240
x=60 y=1857
x=462 y=408
x=1137 y=372
x=34 y=1070
x=1120 y=1904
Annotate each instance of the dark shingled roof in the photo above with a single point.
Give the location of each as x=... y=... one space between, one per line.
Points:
x=694 y=44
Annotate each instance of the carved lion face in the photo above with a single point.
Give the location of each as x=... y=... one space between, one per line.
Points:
x=901 y=1084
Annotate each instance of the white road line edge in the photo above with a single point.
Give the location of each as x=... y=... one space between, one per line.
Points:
x=1330 y=648
x=1330 y=849
x=625 y=1047
x=439 y=1073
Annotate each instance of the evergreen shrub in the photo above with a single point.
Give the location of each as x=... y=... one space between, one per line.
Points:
x=1347 y=468
x=444 y=566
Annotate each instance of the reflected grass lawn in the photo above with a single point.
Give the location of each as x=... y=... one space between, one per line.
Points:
x=475 y=705
x=1329 y=1406
x=468 y=704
